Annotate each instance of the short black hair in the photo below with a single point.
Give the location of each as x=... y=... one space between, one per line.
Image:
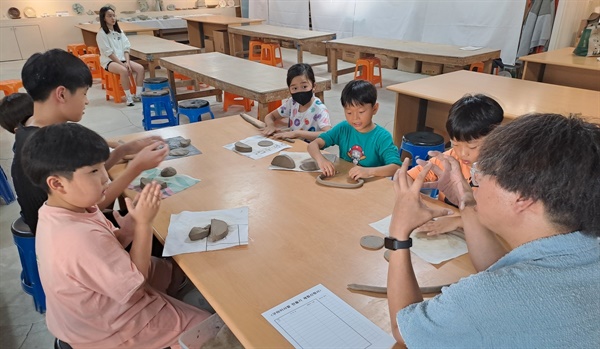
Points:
x=61 y=149
x=300 y=69
x=15 y=109
x=553 y=159
x=44 y=72
x=102 y=17
x=359 y=92
x=472 y=117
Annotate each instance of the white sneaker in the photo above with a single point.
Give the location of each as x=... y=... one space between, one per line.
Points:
x=130 y=102
x=136 y=98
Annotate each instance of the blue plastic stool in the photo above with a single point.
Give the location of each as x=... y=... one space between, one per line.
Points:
x=157 y=106
x=6 y=191
x=156 y=83
x=194 y=109
x=418 y=144
x=30 y=277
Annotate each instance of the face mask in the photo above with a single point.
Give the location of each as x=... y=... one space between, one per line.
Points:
x=302 y=97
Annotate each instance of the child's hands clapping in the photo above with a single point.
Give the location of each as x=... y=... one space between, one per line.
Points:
x=144 y=211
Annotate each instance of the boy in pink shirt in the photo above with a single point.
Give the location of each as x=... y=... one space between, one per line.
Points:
x=97 y=294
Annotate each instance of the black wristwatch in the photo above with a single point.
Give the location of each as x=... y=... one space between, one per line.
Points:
x=394 y=244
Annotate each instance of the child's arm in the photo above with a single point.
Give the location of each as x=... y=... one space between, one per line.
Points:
x=149 y=157
x=303 y=134
x=270 y=120
x=441 y=225
x=314 y=149
x=129 y=148
x=365 y=172
x=143 y=213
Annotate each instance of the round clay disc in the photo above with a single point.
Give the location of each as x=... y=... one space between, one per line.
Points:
x=265 y=143
x=371 y=242
x=386 y=255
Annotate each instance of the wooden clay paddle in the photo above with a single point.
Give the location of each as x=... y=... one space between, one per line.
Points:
x=260 y=125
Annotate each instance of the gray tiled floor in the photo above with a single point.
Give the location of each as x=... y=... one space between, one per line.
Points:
x=20 y=325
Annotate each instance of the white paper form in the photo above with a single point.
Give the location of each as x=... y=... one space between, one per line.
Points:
x=317 y=318
x=178 y=240
x=257 y=150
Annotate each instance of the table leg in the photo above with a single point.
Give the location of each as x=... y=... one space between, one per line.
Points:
x=263 y=110
x=405 y=119
x=332 y=58
x=487 y=66
x=534 y=71
x=299 y=52
x=232 y=50
x=89 y=38
x=152 y=68
x=171 y=77
x=194 y=34
x=320 y=95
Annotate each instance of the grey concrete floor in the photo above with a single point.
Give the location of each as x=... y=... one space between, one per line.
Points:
x=20 y=325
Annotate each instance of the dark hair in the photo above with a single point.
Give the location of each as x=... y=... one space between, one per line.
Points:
x=300 y=69
x=15 y=109
x=102 y=16
x=61 y=149
x=553 y=159
x=472 y=117
x=359 y=92
x=44 y=72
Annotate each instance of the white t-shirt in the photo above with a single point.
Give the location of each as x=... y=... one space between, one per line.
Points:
x=313 y=119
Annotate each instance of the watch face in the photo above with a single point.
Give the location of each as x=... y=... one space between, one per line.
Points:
x=389 y=243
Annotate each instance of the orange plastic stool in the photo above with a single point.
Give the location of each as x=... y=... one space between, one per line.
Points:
x=268 y=54
x=77 y=49
x=274 y=105
x=10 y=86
x=182 y=77
x=477 y=67
x=93 y=62
x=233 y=99
x=254 y=50
x=113 y=86
x=92 y=49
x=365 y=70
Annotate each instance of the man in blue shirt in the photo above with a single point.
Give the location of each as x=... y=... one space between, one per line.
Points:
x=539 y=191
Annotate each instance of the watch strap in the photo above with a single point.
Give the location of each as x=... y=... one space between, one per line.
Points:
x=395 y=244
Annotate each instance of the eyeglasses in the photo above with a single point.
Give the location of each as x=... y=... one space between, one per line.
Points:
x=474 y=174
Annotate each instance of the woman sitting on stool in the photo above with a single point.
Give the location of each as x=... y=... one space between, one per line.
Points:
x=114 y=54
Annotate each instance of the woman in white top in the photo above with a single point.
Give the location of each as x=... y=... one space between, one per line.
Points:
x=114 y=54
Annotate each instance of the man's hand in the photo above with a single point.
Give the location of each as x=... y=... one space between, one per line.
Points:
x=409 y=210
x=441 y=225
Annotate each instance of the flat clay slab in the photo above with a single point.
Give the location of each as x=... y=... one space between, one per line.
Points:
x=372 y=242
x=284 y=161
x=179 y=152
x=144 y=181
x=218 y=230
x=168 y=172
x=265 y=143
x=185 y=142
x=386 y=255
x=309 y=165
x=199 y=233
x=243 y=147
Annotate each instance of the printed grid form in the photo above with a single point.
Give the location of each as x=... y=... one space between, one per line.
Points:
x=320 y=319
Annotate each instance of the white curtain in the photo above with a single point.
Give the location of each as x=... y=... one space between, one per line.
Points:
x=489 y=23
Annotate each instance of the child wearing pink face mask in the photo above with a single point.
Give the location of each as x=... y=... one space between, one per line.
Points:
x=307 y=117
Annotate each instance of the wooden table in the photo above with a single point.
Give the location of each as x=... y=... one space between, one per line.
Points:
x=300 y=233
x=260 y=82
x=299 y=37
x=427 y=101
x=150 y=49
x=562 y=67
x=420 y=51
x=202 y=27
x=89 y=31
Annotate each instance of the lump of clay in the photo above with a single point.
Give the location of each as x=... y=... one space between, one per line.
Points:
x=168 y=172
x=372 y=242
x=284 y=161
x=265 y=143
x=199 y=233
x=309 y=165
x=179 y=152
x=218 y=230
x=243 y=147
x=145 y=181
x=185 y=142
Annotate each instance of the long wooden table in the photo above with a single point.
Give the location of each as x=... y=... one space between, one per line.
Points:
x=426 y=102
x=299 y=37
x=89 y=31
x=260 y=82
x=562 y=67
x=201 y=27
x=300 y=233
x=420 y=51
x=151 y=49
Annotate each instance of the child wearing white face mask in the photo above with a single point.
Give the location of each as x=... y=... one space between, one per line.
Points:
x=307 y=117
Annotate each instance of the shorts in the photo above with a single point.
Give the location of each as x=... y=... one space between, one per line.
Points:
x=107 y=64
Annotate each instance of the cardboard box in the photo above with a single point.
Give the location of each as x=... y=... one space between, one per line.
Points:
x=431 y=68
x=409 y=65
x=221 y=41
x=318 y=48
x=387 y=61
x=209 y=46
x=449 y=68
x=350 y=56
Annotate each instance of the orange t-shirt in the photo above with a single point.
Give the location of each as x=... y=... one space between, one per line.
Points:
x=432 y=177
x=95 y=295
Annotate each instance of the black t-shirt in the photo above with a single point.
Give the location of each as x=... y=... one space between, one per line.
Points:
x=29 y=196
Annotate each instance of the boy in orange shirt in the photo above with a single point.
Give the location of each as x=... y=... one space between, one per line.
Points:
x=470 y=120
x=97 y=294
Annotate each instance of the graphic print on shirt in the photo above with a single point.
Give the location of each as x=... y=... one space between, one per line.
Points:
x=356 y=153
